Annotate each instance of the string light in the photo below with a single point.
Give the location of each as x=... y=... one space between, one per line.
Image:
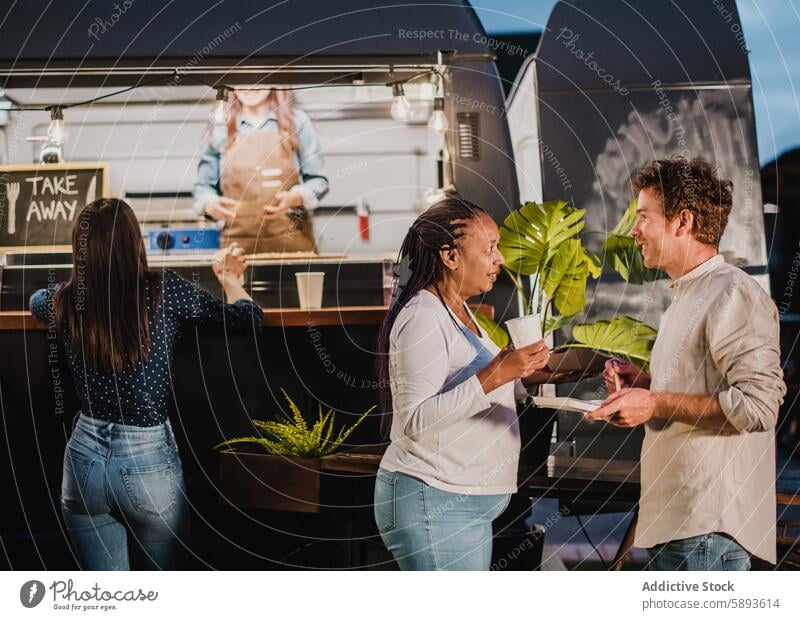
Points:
x=438 y=120
x=401 y=108
x=56 y=132
x=220 y=114
x=434 y=195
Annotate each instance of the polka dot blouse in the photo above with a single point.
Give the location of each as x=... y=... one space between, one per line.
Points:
x=140 y=395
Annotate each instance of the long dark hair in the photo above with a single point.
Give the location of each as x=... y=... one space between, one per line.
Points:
x=102 y=308
x=420 y=265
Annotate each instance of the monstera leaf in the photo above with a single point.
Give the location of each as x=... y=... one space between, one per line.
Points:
x=552 y=323
x=622 y=336
x=625 y=225
x=624 y=255
x=565 y=278
x=531 y=235
x=497 y=334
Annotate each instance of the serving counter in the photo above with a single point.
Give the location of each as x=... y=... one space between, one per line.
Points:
x=222 y=379
x=349 y=281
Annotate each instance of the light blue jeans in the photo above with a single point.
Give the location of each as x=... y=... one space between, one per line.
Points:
x=705 y=552
x=122 y=496
x=426 y=528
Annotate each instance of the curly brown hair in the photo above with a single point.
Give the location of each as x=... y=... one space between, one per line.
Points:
x=689 y=184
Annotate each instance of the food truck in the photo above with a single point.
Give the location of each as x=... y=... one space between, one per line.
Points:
x=133 y=87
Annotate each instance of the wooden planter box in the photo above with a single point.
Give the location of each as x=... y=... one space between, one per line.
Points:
x=253 y=479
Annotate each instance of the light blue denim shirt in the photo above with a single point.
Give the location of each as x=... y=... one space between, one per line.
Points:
x=309 y=161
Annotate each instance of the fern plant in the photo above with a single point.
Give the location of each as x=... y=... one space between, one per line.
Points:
x=296 y=437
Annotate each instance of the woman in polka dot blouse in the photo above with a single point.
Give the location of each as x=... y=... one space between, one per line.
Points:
x=122 y=494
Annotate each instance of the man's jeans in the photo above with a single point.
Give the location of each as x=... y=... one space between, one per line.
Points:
x=122 y=496
x=705 y=552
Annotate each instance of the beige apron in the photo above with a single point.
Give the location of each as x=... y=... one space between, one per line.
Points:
x=255 y=168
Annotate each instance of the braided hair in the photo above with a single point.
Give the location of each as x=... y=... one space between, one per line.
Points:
x=420 y=265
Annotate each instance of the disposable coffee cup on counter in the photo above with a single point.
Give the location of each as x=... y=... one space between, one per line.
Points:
x=309 y=289
x=524 y=330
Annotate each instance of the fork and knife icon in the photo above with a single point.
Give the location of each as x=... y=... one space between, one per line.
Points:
x=12 y=195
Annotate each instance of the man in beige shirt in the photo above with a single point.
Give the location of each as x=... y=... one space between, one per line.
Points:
x=711 y=403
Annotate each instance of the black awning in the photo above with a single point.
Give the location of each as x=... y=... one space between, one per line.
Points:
x=603 y=43
x=121 y=42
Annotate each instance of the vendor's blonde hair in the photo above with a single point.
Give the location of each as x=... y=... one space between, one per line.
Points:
x=281 y=102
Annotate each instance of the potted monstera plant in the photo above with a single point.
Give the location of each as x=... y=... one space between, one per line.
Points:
x=543 y=242
x=622 y=336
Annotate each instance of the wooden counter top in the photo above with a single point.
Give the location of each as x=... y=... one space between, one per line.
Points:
x=273 y=317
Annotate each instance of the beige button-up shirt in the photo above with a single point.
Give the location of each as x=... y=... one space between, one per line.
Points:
x=719 y=335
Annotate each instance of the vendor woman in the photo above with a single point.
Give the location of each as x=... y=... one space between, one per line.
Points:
x=263 y=173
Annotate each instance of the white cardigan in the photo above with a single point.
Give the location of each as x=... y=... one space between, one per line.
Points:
x=445 y=430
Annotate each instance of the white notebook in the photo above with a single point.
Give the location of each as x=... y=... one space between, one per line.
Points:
x=565 y=403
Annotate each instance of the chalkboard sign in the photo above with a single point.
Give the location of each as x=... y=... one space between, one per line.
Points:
x=39 y=203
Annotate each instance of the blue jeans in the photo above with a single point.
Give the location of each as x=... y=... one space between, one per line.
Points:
x=705 y=552
x=426 y=528
x=123 y=497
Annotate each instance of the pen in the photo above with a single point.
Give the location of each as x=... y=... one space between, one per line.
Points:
x=616 y=376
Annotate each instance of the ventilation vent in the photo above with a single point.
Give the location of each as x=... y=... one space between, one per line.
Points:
x=468 y=142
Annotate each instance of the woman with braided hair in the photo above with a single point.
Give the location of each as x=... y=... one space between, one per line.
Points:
x=451 y=465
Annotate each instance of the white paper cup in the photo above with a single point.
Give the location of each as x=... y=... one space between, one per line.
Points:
x=524 y=330
x=309 y=289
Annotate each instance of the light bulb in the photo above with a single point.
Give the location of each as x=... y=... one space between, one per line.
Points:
x=440 y=66
x=401 y=108
x=438 y=120
x=360 y=89
x=56 y=132
x=5 y=105
x=220 y=114
x=434 y=195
